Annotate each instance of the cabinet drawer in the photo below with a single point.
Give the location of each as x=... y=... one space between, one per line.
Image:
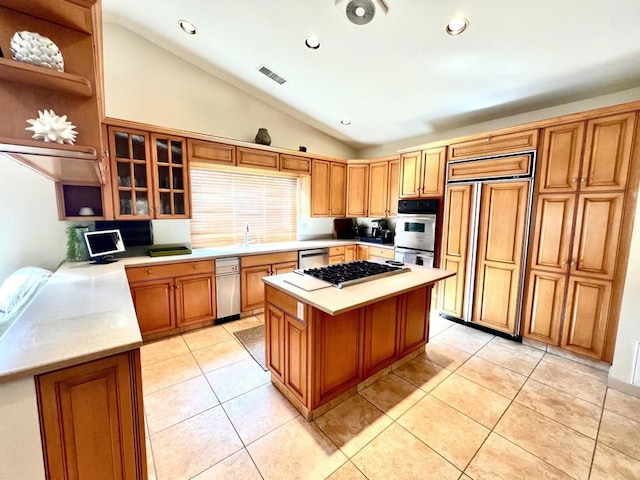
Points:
x=211 y=152
x=290 y=163
x=381 y=252
x=164 y=270
x=268 y=259
x=493 y=145
x=490 y=168
x=336 y=259
x=249 y=157
x=337 y=250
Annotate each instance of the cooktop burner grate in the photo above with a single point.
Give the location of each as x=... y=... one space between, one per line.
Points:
x=351 y=273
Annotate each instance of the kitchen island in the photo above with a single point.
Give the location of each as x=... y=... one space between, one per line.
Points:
x=323 y=345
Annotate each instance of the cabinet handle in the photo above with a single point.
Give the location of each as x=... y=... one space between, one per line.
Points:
x=583 y=179
x=574 y=180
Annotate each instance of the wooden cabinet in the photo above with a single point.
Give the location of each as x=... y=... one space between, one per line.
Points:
x=414 y=326
x=576 y=232
x=357 y=190
x=383 y=188
x=76 y=28
x=170 y=177
x=381 y=333
x=211 y=152
x=170 y=296
x=350 y=253
x=296 y=352
x=494 y=145
x=253 y=268
x=362 y=252
x=501 y=233
x=149 y=174
x=384 y=253
x=422 y=173
x=255 y=158
x=602 y=165
x=92 y=421
x=275 y=344
x=455 y=246
x=295 y=164
x=328 y=188
x=337 y=254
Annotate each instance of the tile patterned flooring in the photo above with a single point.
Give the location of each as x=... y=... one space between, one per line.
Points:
x=474 y=406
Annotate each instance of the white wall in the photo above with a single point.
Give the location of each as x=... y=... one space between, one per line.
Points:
x=145 y=83
x=30 y=233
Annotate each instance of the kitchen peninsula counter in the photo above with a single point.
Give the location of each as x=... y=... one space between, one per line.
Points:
x=323 y=345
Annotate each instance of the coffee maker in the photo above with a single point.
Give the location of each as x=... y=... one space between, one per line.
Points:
x=377 y=226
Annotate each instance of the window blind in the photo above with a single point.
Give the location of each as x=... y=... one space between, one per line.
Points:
x=223 y=201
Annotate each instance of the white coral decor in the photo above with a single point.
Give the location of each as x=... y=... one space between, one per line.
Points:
x=52 y=128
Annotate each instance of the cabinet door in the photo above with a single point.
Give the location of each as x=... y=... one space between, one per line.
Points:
x=171 y=177
x=131 y=175
x=544 y=306
x=378 y=189
x=455 y=247
x=503 y=211
x=363 y=252
x=295 y=164
x=337 y=354
x=274 y=338
x=338 y=204
x=415 y=319
x=433 y=161
x=607 y=153
x=284 y=267
x=154 y=304
x=211 y=152
x=357 y=190
x=296 y=352
x=320 y=188
x=91 y=421
x=494 y=145
x=552 y=232
x=381 y=333
x=560 y=154
x=195 y=299
x=585 y=320
x=394 y=186
x=597 y=233
x=251 y=157
x=351 y=253
x=251 y=286
x=336 y=259
x=410 y=174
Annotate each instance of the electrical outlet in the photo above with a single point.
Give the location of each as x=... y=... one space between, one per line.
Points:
x=300 y=312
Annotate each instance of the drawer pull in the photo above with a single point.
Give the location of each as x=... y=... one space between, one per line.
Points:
x=195 y=267
x=149 y=271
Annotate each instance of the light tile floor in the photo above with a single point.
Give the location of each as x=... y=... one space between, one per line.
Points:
x=474 y=406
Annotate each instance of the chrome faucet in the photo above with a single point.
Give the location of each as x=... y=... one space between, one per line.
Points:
x=246 y=234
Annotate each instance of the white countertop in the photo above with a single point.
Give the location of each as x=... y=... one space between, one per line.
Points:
x=85 y=312
x=335 y=301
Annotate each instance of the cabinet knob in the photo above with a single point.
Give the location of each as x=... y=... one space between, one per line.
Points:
x=149 y=271
x=177 y=287
x=583 y=179
x=195 y=267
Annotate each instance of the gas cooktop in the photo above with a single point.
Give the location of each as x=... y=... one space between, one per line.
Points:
x=350 y=273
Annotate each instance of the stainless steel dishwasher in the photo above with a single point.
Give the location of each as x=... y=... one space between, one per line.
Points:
x=313 y=258
x=228 y=288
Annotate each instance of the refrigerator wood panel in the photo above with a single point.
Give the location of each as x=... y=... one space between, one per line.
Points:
x=501 y=235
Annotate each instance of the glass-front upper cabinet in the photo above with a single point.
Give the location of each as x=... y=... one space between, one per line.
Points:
x=171 y=177
x=131 y=173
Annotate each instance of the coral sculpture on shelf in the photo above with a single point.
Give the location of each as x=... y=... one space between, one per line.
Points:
x=33 y=48
x=52 y=128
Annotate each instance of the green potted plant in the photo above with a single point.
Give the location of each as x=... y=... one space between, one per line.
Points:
x=76 y=246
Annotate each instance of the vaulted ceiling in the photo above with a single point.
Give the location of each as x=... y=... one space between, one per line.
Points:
x=402 y=75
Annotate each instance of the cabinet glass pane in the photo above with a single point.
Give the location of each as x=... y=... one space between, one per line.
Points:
x=178 y=184
x=176 y=152
x=162 y=150
x=178 y=203
x=163 y=177
x=122 y=145
x=124 y=174
x=137 y=144
x=165 y=203
x=142 y=204
x=126 y=203
x=140 y=174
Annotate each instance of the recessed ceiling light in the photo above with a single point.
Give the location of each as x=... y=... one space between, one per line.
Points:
x=187 y=27
x=312 y=42
x=345 y=121
x=457 y=26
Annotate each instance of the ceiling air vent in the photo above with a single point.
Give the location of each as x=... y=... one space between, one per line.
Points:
x=273 y=76
x=362 y=12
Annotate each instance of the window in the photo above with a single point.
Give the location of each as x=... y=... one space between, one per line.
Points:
x=224 y=201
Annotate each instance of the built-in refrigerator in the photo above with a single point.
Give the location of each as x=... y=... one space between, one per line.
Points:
x=486 y=222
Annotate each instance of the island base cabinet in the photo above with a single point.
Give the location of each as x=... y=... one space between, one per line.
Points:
x=91 y=420
x=414 y=331
x=381 y=325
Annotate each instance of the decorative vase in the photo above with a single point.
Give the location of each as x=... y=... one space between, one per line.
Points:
x=33 y=48
x=263 y=137
x=76 y=246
